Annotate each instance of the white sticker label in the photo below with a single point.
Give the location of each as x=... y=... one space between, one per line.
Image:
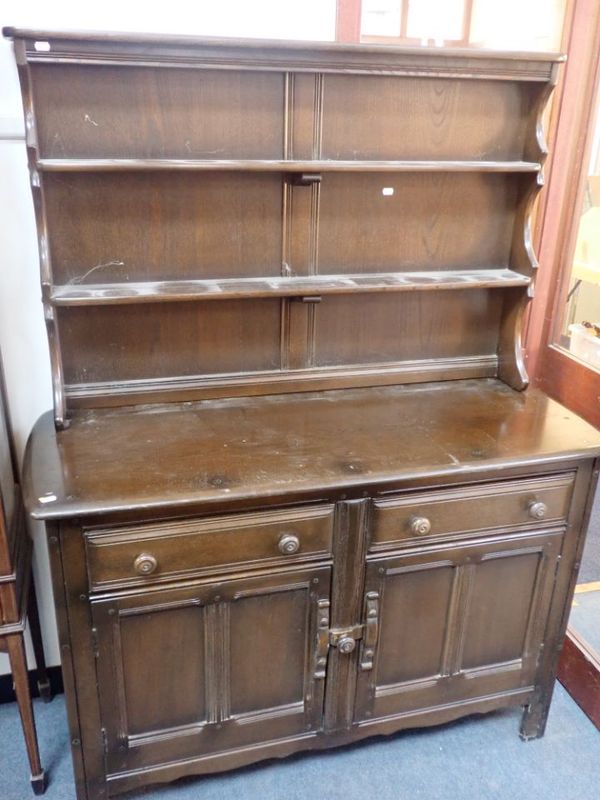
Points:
x=42 y=47
x=387 y=191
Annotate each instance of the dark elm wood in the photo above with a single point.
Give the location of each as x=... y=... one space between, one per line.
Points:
x=263 y=538
x=380 y=328
x=287 y=165
x=242 y=449
x=473 y=615
x=90 y=294
x=424 y=118
x=535 y=717
x=300 y=316
x=437 y=221
x=228 y=337
x=347 y=600
x=224 y=542
x=145 y=226
x=17 y=595
x=172 y=165
x=81 y=47
x=245 y=121
x=457 y=512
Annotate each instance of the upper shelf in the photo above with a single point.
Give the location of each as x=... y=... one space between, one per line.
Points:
x=275 y=165
x=232 y=288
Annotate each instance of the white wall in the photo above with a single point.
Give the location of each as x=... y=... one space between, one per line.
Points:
x=22 y=333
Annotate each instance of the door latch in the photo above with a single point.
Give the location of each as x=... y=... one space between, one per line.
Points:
x=345 y=638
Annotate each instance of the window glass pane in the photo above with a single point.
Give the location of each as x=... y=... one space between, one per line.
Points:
x=381 y=17
x=517 y=25
x=580 y=319
x=495 y=24
x=433 y=20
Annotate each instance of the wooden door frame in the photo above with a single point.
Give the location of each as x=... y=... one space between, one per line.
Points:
x=551 y=368
x=347 y=20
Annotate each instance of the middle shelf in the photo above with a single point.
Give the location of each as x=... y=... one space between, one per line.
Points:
x=77 y=294
x=279 y=165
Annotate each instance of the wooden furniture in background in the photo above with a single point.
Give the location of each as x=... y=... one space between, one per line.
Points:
x=293 y=492
x=17 y=595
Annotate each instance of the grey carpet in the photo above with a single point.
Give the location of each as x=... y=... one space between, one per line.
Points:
x=585 y=617
x=478 y=758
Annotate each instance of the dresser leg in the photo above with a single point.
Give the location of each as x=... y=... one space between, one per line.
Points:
x=535 y=716
x=18 y=664
x=43 y=681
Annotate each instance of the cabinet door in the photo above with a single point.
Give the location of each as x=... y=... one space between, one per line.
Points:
x=211 y=667
x=454 y=623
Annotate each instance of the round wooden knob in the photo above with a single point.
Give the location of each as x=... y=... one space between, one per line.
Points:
x=537 y=509
x=420 y=526
x=346 y=644
x=289 y=544
x=145 y=564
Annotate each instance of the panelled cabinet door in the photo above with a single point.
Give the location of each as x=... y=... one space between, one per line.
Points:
x=211 y=667
x=452 y=624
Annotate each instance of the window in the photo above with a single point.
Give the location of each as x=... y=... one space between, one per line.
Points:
x=579 y=312
x=509 y=25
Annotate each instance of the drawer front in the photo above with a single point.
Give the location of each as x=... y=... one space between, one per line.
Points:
x=403 y=520
x=163 y=551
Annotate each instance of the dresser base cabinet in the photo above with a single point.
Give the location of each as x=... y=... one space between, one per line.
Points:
x=337 y=614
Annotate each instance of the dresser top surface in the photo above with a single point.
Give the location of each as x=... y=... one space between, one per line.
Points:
x=285 y=447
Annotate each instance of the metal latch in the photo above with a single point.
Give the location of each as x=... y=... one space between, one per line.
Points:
x=369 y=641
x=345 y=638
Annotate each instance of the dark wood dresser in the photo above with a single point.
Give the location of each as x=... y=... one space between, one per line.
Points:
x=294 y=492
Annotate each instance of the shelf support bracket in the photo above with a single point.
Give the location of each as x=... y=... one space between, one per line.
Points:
x=306 y=178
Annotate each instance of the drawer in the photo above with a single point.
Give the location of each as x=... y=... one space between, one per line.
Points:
x=169 y=550
x=524 y=503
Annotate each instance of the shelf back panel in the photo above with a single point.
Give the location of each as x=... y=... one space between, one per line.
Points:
x=381 y=223
x=373 y=117
x=163 y=226
x=242 y=337
x=116 y=111
x=170 y=340
x=376 y=328
x=117 y=228
x=102 y=112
